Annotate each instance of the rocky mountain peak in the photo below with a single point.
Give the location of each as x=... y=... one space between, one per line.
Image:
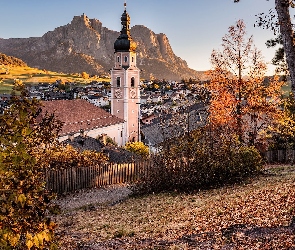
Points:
x=85 y=45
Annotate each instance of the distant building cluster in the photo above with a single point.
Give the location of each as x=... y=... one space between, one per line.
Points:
x=124 y=109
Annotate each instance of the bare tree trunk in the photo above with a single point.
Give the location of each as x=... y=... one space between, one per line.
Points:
x=282 y=8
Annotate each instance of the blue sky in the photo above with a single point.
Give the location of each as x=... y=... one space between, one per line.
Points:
x=194 y=27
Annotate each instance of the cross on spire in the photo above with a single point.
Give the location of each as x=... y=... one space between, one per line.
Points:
x=125 y=4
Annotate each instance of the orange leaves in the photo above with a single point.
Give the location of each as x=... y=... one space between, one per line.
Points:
x=242 y=98
x=221 y=109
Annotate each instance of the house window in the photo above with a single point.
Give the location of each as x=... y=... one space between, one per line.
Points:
x=118 y=81
x=126 y=59
x=132 y=82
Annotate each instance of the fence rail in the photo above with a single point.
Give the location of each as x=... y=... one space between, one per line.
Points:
x=76 y=178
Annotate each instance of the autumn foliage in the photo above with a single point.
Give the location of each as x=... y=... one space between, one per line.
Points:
x=199 y=161
x=242 y=98
x=65 y=156
x=23 y=198
x=138 y=148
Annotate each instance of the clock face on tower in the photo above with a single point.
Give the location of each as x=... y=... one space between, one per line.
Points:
x=118 y=93
x=132 y=93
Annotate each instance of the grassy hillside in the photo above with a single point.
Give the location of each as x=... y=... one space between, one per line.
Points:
x=253 y=215
x=34 y=76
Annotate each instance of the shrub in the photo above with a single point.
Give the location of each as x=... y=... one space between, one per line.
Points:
x=190 y=163
x=61 y=156
x=24 y=201
x=138 y=148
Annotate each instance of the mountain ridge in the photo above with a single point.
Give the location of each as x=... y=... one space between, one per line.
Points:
x=86 y=45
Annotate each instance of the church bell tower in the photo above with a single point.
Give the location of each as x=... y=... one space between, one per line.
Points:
x=125 y=97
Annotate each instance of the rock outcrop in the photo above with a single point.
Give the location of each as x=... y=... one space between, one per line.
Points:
x=85 y=45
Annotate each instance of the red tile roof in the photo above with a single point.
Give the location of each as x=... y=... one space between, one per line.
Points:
x=79 y=114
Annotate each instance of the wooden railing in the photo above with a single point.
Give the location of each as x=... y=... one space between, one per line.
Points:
x=76 y=178
x=280 y=156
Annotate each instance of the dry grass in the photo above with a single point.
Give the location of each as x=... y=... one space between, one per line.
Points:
x=34 y=76
x=203 y=220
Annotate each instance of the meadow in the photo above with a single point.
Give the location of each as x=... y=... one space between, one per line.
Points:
x=255 y=214
x=32 y=76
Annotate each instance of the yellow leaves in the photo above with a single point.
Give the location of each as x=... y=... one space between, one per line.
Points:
x=138 y=148
x=38 y=239
x=14 y=239
x=29 y=244
x=21 y=199
x=67 y=156
x=29 y=241
x=11 y=238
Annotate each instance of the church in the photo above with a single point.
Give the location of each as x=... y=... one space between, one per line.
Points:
x=125 y=82
x=122 y=125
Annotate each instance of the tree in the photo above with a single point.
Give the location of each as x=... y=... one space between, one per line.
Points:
x=85 y=75
x=279 y=59
x=284 y=21
x=283 y=136
x=241 y=100
x=24 y=201
x=18 y=84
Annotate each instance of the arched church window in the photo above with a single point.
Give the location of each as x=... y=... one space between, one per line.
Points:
x=132 y=82
x=118 y=59
x=132 y=59
x=126 y=59
x=118 y=81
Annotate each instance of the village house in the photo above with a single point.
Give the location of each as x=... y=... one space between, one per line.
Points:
x=97 y=100
x=156 y=98
x=147 y=119
x=81 y=116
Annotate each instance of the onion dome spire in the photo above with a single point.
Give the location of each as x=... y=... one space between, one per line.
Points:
x=124 y=42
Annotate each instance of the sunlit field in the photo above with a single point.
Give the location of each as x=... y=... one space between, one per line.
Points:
x=31 y=76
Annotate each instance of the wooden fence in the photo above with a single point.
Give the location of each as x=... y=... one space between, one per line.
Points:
x=280 y=156
x=76 y=178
